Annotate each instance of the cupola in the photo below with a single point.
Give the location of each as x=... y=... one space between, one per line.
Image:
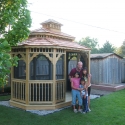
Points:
x=52 y=25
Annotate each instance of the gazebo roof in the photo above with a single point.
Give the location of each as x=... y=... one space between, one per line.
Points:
x=51 y=21
x=43 y=30
x=51 y=42
x=51 y=37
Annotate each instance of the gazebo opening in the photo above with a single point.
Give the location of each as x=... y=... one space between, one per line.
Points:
x=20 y=70
x=41 y=68
x=72 y=59
x=60 y=68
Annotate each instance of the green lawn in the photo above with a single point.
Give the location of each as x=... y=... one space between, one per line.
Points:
x=5 y=98
x=107 y=110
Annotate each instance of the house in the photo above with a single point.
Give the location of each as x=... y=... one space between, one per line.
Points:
x=106 y=68
x=123 y=71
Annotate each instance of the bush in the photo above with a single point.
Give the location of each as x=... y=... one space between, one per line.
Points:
x=6 y=90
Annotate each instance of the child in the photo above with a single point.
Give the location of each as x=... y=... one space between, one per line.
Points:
x=87 y=78
x=75 y=82
x=84 y=95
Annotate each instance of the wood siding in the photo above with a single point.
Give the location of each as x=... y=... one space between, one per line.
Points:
x=107 y=70
x=123 y=71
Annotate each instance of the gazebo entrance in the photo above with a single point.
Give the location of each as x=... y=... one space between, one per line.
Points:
x=40 y=79
x=72 y=59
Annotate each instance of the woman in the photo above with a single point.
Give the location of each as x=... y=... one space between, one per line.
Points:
x=87 y=78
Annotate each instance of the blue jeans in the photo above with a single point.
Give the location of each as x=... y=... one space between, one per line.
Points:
x=76 y=93
x=85 y=104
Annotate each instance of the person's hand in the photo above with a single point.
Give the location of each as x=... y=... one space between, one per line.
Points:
x=80 y=89
x=84 y=96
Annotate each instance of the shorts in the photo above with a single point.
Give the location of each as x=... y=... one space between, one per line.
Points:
x=83 y=92
x=76 y=93
x=89 y=90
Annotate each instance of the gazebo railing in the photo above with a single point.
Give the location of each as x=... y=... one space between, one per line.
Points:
x=40 y=91
x=60 y=91
x=18 y=90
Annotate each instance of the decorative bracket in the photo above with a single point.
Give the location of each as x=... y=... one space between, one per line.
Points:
x=45 y=54
x=59 y=55
x=48 y=56
x=23 y=56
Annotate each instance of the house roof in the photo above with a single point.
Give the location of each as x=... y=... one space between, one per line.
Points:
x=49 y=42
x=102 y=55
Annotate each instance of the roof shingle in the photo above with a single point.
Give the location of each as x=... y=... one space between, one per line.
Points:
x=51 y=42
x=42 y=30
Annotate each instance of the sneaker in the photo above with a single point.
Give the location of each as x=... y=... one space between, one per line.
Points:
x=75 y=111
x=83 y=112
x=89 y=110
x=80 y=110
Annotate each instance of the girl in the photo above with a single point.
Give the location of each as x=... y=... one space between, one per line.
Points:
x=87 y=78
x=84 y=95
x=75 y=82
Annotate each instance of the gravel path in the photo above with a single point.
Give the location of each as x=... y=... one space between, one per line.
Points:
x=42 y=112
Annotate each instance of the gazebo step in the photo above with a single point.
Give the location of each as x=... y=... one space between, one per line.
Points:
x=40 y=107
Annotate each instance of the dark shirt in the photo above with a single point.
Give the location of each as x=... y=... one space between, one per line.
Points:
x=73 y=71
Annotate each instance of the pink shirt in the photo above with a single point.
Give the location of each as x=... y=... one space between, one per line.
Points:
x=76 y=82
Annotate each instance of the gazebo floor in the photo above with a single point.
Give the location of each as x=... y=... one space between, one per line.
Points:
x=44 y=107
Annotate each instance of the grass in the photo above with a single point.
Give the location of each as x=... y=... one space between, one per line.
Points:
x=5 y=98
x=107 y=110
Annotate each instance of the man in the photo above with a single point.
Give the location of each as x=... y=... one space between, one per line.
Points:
x=78 y=68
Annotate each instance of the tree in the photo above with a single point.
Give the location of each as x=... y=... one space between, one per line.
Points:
x=90 y=43
x=107 y=48
x=121 y=50
x=14 y=23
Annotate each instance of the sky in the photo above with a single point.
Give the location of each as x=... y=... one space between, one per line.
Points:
x=80 y=18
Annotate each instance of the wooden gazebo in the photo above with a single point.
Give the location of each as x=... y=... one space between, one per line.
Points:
x=40 y=79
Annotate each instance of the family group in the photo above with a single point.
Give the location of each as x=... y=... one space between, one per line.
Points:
x=81 y=88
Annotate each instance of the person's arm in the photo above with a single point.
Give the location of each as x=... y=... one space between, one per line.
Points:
x=70 y=78
x=89 y=80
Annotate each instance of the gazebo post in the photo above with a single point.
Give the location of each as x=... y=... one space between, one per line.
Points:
x=54 y=75
x=78 y=57
x=65 y=72
x=27 y=77
x=12 y=76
